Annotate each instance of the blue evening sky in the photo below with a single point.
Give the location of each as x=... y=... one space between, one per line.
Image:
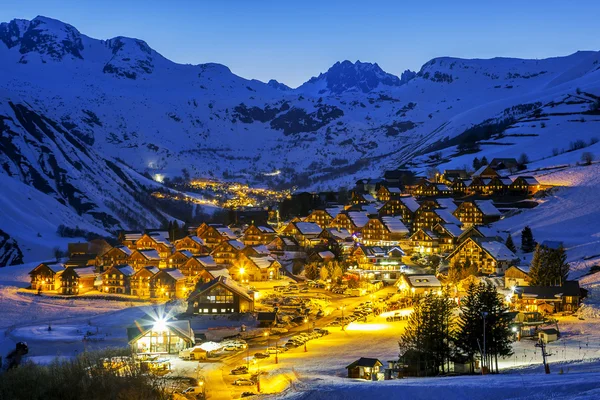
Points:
x=293 y=40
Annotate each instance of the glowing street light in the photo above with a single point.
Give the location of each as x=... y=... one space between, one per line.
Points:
x=306 y=322
x=160 y=325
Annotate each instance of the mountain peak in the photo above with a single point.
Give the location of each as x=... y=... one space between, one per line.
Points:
x=346 y=76
x=278 y=85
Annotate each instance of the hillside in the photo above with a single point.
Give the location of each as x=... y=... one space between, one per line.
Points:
x=81 y=119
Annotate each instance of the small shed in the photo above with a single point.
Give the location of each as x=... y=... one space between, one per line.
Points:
x=364 y=368
x=548 y=335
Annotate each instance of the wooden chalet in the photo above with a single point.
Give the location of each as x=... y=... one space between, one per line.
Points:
x=480 y=231
x=210 y=235
x=426 y=188
x=548 y=299
x=377 y=258
x=143 y=258
x=75 y=281
x=425 y=241
x=191 y=243
x=114 y=256
x=226 y=252
x=252 y=269
x=478 y=212
x=516 y=275
x=479 y=185
x=404 y=207
x=418 y=284
x=448 y=235
x=485 y=171
x=117 y=279
x=305 y=233
x=156 y=242
x=385 y=193
x=364 y=368
x=427 y=218
x=255 y=235
x=498 y=186
x=384 y=231
x=168 y=283
x=358 y=198
x=321 y=257
x=462 y=187
x=140 y=281
x=525 y=185
x=490 y=256
x=342 y=237
x=323 y=217
x=46 y=276
x=283 y=243
x=197 y=269
x=450 y=176
x=129 y=238
x=352 y=221
x=256 y=251
x=220 y=296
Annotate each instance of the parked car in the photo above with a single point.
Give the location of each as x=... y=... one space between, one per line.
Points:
x=241 y=370
x=273 y=350
x=247 y=394
x=230 y=347
x=262 y=355
x=243 y=382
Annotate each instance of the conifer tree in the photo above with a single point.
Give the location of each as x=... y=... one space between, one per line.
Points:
x=538 y=271
x=527 y=242
x=469 y=329
x=476 y=164
x=484 y=161
x=510 y=244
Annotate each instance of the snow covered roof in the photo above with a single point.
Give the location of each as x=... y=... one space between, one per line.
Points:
x=226 y=231
x=358 y=218
x=220 y=272
x=236 y=244
x=395 y=225
x=497 y=250
x=308 y=228
x=442 y=187
x=530 y=180
x=410 y=203
x=85 y=272
x=326 y=255
x=262 y=262
x=447 y=216
x=339 y=233
x=394 y=190
x=133 y=236
x=261 y=249
x=175 y=273
x=448 y=204
x=56 y=267
x=453 y=229
x=197 y=240
x=149 y=268
x=506 y=181
x=334 y=211
x=207 y=261
x=150 y=254
x=487 y=207
x=186 y=253
x=491 y=232
x=126 y=270
x=423 y=281
x=371 y=208
x=265 y=229
x=159 y=238
x=467 y=182
x=369 y=198
x=124 y=249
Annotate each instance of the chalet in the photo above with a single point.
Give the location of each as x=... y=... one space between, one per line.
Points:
x=498 y=186
x=142 y=258
x=179 y=258
x=375 y=258
x=480 y=231
x=485 y=171
x=425 y=241
x=156 y=242
x=426 y=188
x=251 y=269
x=384 y=231
x=452 y=175
x=198 y=269
x=46 y=276
x=220 y=296
x=448 y=235
x=117 y=279
x=353 y=221
x=461 y=186
x=427 y=218
x=525 y=185
x=129 y=238
x=365 y=368
x=225 y=253
x=210 y=235
x=510 y=164
x=323 y=217
x=170 y=337
x=478 y=212
x=77 y=280
x=490 y=256
x=516 y=275
x=168 y=283
x=283 y=243
x=342 y=237
x=140 y=281
x=77 y=260
x=404 y=206
x=385 y=193
x=418 y=285
x=321 y=257
x=256 y=251
x=479 y=185
x=114 y=256
x=255 y=235
x=552 y=299
x=191 y=243
x=447 y=204
x=305 y=233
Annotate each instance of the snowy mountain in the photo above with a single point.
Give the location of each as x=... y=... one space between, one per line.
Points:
x=81 y=119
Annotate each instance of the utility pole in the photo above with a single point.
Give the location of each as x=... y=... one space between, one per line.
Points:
x=483 y=361
x=542 y=346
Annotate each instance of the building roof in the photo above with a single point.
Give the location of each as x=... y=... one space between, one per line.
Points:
x=366 y=362
x=496 y=249
x=180 y=328
x=488 y=208
x=447 y=216
x=358 y=218
x=326 y=255
x=85 y=272
x=153 y=270
x=395 y=225
x=395 y=190
x=447 y=204
x=216 y=273
x=262 y=262
x=334 y=211
x=236 y=244
x=124 y=249
x=150 y=254
x=261 y=249
x=226 y=231
x=569 y=288
x=197 y=240
x=423 y=280
x=174 y=273
x=530 y=180
x=186 y=253
x=265 y=229
x=341 y=234
x=452 y=229
x=369 y=198
x=223 y=281
x=308 y=228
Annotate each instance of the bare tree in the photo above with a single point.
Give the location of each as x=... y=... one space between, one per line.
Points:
x=587 y=158
x=58 y=253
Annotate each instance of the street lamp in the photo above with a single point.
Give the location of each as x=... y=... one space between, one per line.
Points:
x=484 y=314
x=242 y=271
x=306 y=322
x=342 y=307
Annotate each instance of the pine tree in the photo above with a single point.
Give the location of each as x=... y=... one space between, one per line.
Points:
x=324 y=274
x=510 y=244
x=484 y=161
x=527 y=241
x=469 y=327
x=497 y=326
x=311 y=271
x=476 y=164
x=538 y=271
